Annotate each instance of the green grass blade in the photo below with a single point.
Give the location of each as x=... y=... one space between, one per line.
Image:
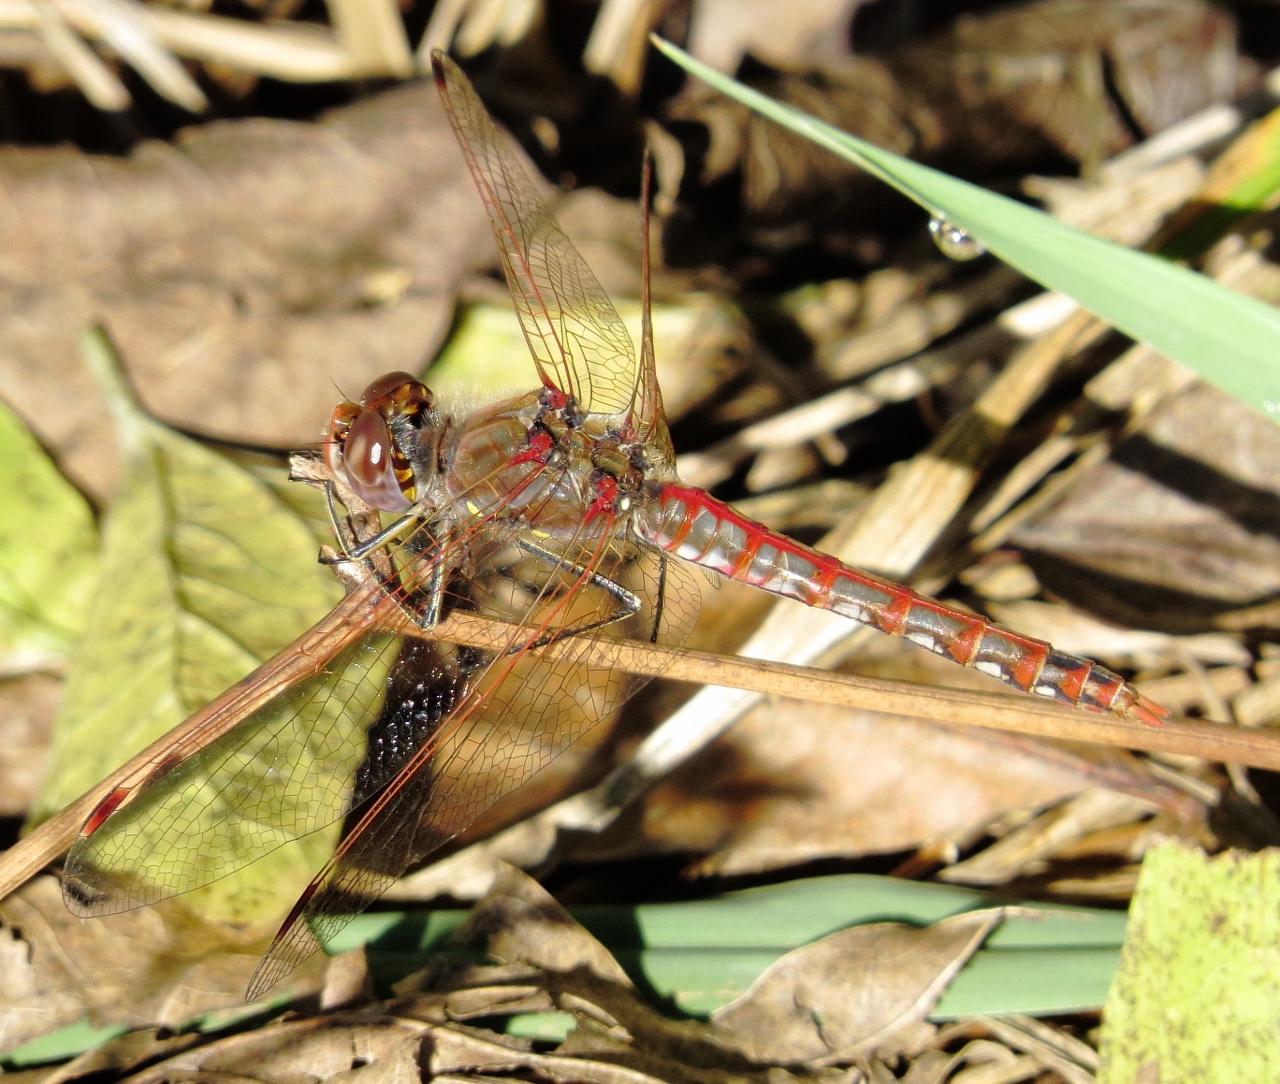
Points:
x=701 y=954
x=1033 y=982
x=1230 y=340
x=66 y=1042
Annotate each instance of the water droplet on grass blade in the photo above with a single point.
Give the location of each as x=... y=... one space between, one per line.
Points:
x=952 y=241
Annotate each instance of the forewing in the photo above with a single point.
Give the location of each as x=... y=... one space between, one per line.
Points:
x=647 y=415
x=291 y=768
x=577 y=338
x=524 y=710
x=282 y=773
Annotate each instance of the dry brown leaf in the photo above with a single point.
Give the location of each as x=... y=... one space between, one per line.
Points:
x=152 y=965
x=298 y=1051
x=987 y=1062
x=786 y=176
x=524 y=924
x=1119 y=884
x=852 y=992
x=455 y=1050
x=555 y=963
x=1055 y=1049
x=1025 y=850
x=929 y=1068
x=1039 y=71
x=481 y=1001
x=29 y=1006
x=1187 y=510
x=124 y=1054
x=247 y=273
x=794 y=782
x=347 y=980
x=998 y=89
x=402 y=1064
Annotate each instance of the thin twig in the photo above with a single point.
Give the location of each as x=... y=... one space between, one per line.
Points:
x=363 y=608
x=993 y=711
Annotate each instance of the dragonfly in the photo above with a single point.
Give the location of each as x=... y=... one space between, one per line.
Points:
x=559 y=516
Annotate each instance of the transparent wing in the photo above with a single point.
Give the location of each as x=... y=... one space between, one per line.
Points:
x=452 y=728
x=282 y=773
x=647 y=416
x=297 y=764
x=524 y=711
x=577 y=338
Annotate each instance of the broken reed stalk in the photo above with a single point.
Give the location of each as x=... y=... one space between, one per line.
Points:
x=367 y=608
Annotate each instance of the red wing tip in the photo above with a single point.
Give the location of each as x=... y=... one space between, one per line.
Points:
x=103 y=810
x=437 y=67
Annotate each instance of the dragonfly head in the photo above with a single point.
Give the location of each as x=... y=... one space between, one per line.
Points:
x=370 y=444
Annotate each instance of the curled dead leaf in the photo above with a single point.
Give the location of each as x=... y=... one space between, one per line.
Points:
x=523 y=923
x=854 y=992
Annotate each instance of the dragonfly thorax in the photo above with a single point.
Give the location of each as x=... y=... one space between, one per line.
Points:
x=542 y=459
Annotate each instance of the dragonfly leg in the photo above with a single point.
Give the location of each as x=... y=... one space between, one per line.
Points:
x=430 y=615
x=373 y=542
x=629 y=600
x=342 y=526
x=661 y=596
x=434 y=590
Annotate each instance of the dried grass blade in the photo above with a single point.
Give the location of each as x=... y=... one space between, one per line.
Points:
x=372 y=33
x=123 y=25
x=97 y=82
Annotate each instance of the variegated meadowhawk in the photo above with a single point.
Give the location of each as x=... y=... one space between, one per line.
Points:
x=558 y=514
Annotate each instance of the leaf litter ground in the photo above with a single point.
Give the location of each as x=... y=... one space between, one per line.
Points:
x=1112 y=484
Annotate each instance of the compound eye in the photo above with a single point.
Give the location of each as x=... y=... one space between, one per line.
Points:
x=397 y=394
x=366 y=456
x=335 y=437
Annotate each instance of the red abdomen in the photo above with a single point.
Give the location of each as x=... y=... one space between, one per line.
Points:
x=696 y=527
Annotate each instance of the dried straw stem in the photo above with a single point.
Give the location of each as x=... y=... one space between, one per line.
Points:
x=994 y=711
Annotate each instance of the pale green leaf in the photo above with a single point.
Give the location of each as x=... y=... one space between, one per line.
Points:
x=206 y=574
x=487 y=357
x=1231 y=340
x=202 y=820
x=48 y=554
x=1197 y=994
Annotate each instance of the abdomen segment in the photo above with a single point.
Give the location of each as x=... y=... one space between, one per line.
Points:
x=696 y=527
